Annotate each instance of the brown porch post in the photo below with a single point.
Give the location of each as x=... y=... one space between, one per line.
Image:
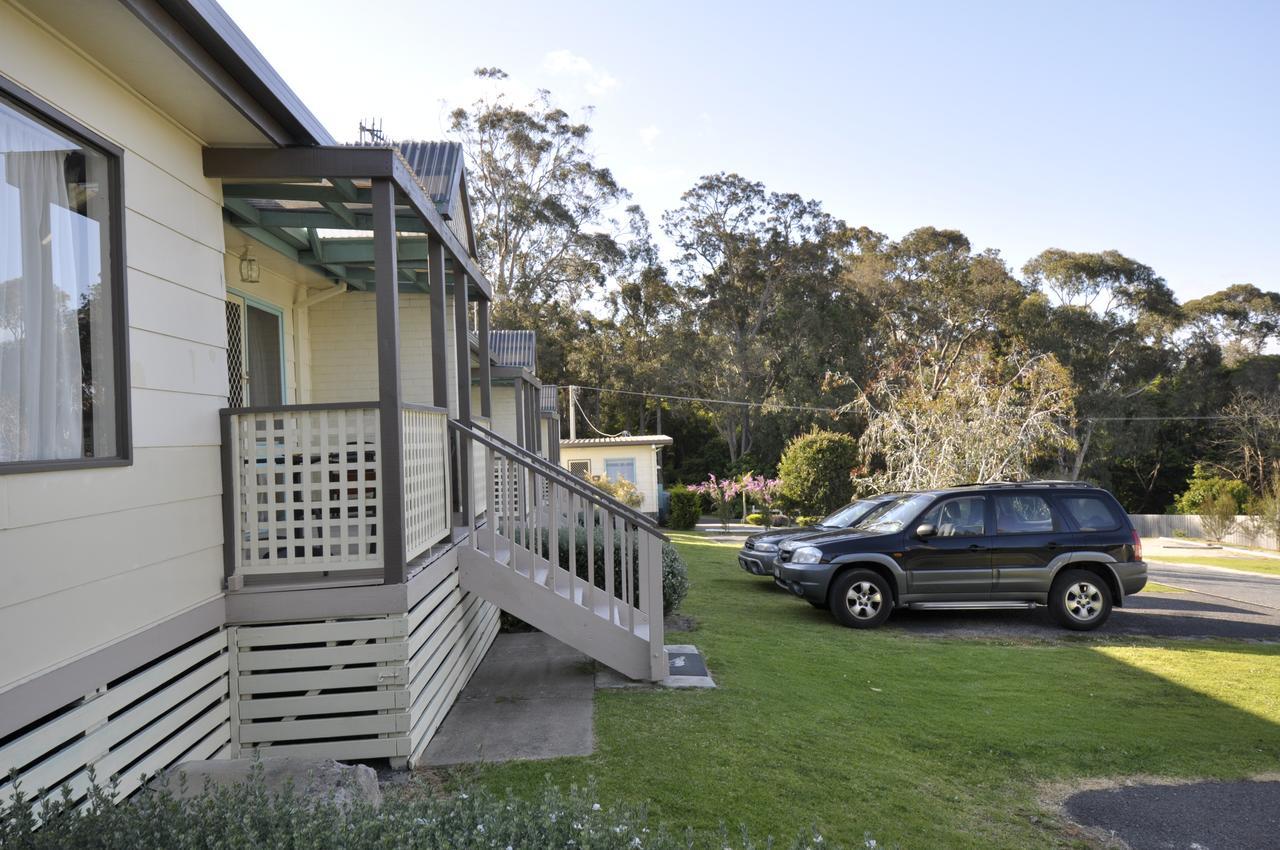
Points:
x=439 y=363
x=387 y=310
x=486 y=379
x=461 y=338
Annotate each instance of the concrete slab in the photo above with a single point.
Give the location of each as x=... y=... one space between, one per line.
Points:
x=686 y=665
x=531 y=698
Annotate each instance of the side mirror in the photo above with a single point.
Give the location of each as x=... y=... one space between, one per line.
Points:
x=926 y=530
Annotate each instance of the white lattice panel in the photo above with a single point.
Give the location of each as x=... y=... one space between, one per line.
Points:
x=426 y=479
x=307 y=490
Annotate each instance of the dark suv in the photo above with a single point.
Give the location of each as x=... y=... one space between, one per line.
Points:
x=759 y=551
x=1062 y=544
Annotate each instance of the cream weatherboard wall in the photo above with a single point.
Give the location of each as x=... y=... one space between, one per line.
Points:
x=344 y=352
x=645 y=456
x=89 y=556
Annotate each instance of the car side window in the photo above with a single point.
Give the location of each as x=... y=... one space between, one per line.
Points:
x=1090 y=513
x=962 y=517
x=1023 y=513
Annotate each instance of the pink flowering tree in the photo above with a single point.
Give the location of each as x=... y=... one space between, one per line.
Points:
x=763 y=492
x=721 y=492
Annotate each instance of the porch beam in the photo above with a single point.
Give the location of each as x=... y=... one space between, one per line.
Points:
x=359 y=249
x=293 y=192
x=330 y=221
x=439 y=372
x=486 y=377
x=390 y=430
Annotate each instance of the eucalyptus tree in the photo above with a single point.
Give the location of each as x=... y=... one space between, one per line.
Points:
x=1111 y=321
x=541 y=203
x=745 y=255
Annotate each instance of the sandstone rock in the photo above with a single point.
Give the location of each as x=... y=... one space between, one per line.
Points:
x=317 y=780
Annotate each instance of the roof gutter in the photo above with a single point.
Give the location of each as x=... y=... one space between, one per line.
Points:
x=206 y=38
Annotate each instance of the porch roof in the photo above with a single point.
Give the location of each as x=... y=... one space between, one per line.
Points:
x=314 y=205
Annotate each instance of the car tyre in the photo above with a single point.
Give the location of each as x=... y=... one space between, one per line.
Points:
x=1080 y=600
x=860 y=599
x=820 y=605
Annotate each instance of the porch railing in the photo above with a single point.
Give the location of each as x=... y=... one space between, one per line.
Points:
x=304 y=491
x=557 y=532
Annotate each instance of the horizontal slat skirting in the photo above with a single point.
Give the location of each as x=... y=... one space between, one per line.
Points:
x=319 y=680
x=378 y=627
x=361 y=748
x=321 y=656
x=427 y=723
x=328 y=727
x=270 y=707
x=429 y=680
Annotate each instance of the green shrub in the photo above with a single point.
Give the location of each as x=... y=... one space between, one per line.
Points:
x=1204 y=487
x=1218 y=515
x=685 y=510
x=806 y=521
x=248 y=817
x=675 y=578
x=755 y=519
x=815 y=469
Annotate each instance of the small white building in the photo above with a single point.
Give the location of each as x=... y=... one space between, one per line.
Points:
x=638 y=459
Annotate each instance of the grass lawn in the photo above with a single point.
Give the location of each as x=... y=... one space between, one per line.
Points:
x=1157 y=587
x=1270 y=566
x=927 y=743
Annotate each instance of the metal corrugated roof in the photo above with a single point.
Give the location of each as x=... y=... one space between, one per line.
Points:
x=514 y=348
x=629 y=440
x=549 y=400
x=439 y=169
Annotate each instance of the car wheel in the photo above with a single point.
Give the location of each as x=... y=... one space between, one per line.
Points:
x=1080 y=600
x=860 y=599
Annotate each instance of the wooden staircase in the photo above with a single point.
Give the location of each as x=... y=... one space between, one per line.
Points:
x=563 y=556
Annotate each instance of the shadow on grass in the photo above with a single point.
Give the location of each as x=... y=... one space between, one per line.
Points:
x=921 y=741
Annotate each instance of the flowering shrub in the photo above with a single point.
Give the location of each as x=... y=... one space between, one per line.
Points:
x=764 y=492
x=248 y=817
x=721 y=492
x=622 y=490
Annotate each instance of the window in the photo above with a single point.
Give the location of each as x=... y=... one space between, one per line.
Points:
x=620 y=467
x=63 y=379
x=580 y=468
x=1090 y=513
x=963 y=517
x=1023 y=513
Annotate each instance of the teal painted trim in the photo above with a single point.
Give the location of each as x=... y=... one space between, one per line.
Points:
x=278 y=312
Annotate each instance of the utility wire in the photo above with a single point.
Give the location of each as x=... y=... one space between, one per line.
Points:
x=590 y=424
x=833 y=410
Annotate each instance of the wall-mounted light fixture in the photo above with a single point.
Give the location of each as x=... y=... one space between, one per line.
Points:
x=249 y=272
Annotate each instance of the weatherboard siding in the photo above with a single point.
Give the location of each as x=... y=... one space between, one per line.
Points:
x=105 y=552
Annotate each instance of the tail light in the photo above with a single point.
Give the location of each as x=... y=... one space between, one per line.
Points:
x=1137 y=546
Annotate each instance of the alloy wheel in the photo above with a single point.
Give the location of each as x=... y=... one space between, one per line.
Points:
x=864 y=600
x=1084 y=601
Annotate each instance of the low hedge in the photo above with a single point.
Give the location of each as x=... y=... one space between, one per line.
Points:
x=685 y=508
x=249 y=817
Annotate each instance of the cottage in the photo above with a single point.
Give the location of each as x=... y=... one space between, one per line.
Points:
x=637 y=459
x=250 y=498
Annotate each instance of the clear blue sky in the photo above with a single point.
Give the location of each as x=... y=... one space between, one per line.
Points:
x=1151 y=128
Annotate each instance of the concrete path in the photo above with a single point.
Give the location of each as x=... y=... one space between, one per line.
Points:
x=1238 y=585
x=1199 y=816
x=531 y=698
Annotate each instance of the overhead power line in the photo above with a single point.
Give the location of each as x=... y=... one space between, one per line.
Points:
x=809 y=408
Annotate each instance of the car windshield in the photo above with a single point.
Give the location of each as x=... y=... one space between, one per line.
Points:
x=894 y=516
x=845 y=517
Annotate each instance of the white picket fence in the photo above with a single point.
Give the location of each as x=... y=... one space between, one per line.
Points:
x=1243 y=533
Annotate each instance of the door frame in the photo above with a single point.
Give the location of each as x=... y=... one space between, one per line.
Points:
x=278 y=312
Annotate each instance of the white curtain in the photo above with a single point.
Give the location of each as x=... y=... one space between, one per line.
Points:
x=43 y=278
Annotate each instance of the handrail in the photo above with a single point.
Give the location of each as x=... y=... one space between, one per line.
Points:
x=566 y=479
x=296 y=408
x=426 y=408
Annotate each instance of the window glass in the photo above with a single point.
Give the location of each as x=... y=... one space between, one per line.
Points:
x=1022 y=513
x=845 y=517
x=57 y=352
x=893 y=516
x=1090 y=513
x=615 y=468
x=963 y=517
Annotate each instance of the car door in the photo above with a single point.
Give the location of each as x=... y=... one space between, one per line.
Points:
x=955 y=561
x=1029 y=535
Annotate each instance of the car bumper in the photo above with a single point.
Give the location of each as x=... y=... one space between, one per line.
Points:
x=756 y=563
x=1132 y=575
x=808 y=581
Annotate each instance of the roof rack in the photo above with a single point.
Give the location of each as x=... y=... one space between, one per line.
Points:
x=1033 y=482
